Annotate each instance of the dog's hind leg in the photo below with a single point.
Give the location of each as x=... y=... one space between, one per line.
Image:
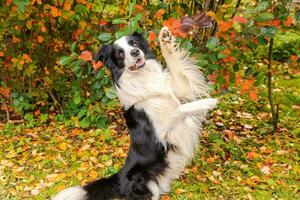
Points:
x=186 y=79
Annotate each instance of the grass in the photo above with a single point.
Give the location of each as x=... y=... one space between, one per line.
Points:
x=238 y=157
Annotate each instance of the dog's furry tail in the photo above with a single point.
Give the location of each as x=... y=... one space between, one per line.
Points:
x=107 y=188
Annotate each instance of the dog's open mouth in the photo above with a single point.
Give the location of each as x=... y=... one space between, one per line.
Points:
x=140 y=62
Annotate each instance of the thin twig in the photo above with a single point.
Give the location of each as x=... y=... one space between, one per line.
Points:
x=56 y=103
x=270 y=90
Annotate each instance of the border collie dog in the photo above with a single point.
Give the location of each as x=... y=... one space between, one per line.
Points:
x=164 y=109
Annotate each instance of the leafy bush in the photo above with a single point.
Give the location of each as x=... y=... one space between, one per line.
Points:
x=46 y=62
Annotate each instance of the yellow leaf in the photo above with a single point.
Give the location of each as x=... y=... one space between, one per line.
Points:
x=63 y=146
x=93 y=174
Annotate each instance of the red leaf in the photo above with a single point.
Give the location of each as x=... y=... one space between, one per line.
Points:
x=152 y=36
x=240 y=19
x=86 y=56
x=97 y=65
x=275 y=22
x=103 y=22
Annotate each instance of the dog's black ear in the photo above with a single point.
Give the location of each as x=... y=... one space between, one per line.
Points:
x=144 y=44
x=141 y=39
x=104 y=53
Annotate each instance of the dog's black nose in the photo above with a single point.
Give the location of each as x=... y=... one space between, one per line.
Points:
x=135 y=52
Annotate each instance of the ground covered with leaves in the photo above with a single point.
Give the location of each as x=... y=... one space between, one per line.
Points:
x=239 y=157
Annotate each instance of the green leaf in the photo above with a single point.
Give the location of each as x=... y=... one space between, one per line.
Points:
x=249 y=71
x=221 y=55
x=21 y=4
x=264 y=17
x=73 y=46
x=262 y=6
x=212 y=43
x=135 y=22
x=81 y=9
x=65 y=60
x=268 y=31
x=131 y=7
x=262 y=40
x=119 y=21
x=220 y=79
x=236 y=67
x=77 y=98
x=214 y=67
x=202 y=63
x=111 y=93
x=123 y=32
x=104 y=37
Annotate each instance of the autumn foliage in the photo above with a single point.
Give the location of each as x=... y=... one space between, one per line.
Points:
x=46 y=56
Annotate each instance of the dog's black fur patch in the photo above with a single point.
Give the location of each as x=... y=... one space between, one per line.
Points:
x=146 y=160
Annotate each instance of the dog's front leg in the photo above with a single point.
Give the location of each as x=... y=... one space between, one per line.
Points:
x=186 y=79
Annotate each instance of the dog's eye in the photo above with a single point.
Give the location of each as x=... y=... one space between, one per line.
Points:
x=135 y=43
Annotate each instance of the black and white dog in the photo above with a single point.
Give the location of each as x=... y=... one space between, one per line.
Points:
x=163 y=113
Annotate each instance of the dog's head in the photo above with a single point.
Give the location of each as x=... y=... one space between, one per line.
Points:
x=127 y=53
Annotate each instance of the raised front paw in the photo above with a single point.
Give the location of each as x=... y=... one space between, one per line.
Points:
x=165 y=36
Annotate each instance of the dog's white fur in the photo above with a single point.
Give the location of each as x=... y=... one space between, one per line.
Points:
x=160 y=93
x=170 y=97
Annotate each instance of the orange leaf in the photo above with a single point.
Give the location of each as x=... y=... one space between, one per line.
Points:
x=228 y=134
x=37 y=112
x=253 y=95
x=43 y=29
x=252 y=155
x=294 y=58
x=160 y=13
x=97 y=65
x=289 y=21
x=152 y=36
x=138 y=8
x=40 y=39
x=210 y=159
x=67 y=5
x=55 y=12
x=26 y=58
x=247 y=85
x=86 y=56
x=5 y=92
x=1 y=54
x=224 y=26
